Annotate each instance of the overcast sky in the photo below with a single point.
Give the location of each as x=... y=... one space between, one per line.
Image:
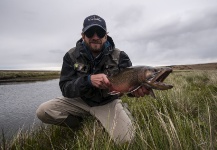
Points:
x=35 y=34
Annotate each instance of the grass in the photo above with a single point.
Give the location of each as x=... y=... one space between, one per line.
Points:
x=183 y=118
x=25 y=76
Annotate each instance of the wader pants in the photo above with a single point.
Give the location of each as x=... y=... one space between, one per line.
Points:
x=114 y=116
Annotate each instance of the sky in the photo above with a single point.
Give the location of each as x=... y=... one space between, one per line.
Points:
x=36 y=34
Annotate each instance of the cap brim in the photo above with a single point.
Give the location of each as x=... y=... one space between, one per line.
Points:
x=92 y=25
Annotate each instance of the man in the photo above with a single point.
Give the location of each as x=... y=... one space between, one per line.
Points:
x=84 y=84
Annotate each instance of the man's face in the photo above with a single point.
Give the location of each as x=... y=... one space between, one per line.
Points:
x=94 y=38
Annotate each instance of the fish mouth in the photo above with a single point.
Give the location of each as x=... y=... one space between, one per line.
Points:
x=156 y=82
x=163 y=74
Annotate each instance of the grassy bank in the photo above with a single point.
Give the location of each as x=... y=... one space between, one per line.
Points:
x=26 y=76
x=183 y=118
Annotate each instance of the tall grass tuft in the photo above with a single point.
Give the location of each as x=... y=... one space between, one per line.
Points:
x=181 y=118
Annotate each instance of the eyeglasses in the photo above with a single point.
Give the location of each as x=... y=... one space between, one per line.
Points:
x=99 y=31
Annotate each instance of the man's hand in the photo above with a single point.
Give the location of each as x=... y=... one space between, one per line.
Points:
x=100 y=81
x=140 y=92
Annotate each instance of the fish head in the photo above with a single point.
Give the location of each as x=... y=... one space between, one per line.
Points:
x=152 y=77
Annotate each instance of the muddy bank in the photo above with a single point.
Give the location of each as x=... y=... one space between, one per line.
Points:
x=27 y=76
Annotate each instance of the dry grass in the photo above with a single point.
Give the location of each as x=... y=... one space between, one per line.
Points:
x=207 y=66
x=181 y=118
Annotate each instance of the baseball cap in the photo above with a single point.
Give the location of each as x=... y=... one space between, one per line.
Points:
x=93 y=20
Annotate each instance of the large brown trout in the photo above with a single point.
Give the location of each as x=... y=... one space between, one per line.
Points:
x=132 y=78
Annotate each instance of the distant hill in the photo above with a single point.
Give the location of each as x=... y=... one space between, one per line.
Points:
x=207 y=66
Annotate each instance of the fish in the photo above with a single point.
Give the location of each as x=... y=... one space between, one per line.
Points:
x=132 y=78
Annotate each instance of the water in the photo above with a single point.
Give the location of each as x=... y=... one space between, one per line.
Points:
x=18 y=103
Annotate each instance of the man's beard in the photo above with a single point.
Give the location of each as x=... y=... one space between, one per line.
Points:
x=95 y=49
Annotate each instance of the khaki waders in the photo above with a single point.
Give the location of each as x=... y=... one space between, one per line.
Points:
x=114 y=116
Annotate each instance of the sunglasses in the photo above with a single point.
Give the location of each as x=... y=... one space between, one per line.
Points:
x=99 y=31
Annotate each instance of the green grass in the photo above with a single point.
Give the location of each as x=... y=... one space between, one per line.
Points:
x=183 y=118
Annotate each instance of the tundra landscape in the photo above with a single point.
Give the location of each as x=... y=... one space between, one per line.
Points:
x=181 y=118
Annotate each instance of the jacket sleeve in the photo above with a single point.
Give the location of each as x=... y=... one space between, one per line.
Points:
x=70 y=84
x=124 y=61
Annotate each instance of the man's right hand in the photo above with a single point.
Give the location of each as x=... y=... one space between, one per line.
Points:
x=100 y=81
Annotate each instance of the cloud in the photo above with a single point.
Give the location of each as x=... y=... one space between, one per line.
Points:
x=182 y=37
x=129 y=16
x=37 y=34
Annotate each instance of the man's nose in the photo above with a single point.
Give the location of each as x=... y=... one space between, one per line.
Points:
x=95 y=36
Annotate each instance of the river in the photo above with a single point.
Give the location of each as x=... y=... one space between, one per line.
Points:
x=19 y=101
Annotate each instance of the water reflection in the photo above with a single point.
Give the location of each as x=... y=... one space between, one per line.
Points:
x=18 y=103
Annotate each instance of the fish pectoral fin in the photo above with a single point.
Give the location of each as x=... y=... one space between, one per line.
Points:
x=151 y=93
x=134 y=89
x=114 y=93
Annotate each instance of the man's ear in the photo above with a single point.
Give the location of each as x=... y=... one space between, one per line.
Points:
x=106 y=35
x=82 y=36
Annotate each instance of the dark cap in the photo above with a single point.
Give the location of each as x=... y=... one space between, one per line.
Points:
x=93 y=20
